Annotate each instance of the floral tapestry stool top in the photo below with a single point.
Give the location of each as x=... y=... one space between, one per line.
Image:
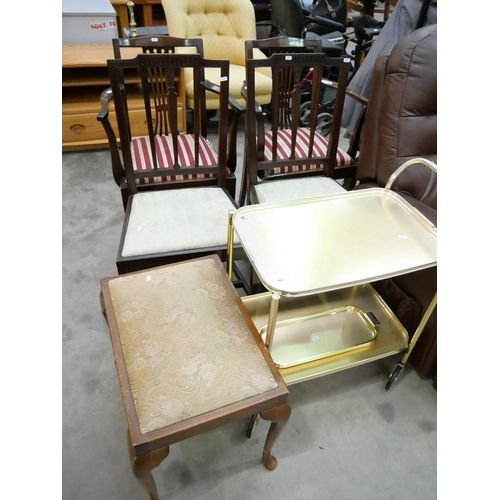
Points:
x=188 y=359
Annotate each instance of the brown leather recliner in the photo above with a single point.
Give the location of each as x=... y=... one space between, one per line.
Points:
x=400 y=124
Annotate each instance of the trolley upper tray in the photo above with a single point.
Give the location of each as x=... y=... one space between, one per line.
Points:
x=336 y=241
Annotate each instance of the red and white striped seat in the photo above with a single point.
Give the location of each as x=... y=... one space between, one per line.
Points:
x=283 y=150
x=142 y=158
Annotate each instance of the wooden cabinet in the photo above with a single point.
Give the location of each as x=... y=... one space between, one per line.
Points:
x=84 y=77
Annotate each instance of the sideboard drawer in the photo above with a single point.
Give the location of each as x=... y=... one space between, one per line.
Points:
x=83 y=127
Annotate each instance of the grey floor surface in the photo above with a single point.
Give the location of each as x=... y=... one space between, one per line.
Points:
x=347 y=439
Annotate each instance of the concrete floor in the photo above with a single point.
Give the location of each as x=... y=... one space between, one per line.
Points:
x=347 y=439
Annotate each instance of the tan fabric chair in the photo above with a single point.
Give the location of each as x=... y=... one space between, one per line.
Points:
x=224 y=26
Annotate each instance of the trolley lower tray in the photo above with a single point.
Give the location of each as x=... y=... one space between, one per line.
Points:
x=316 y=336
x=328 y=332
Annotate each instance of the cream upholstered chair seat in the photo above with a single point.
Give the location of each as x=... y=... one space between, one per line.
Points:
x=224 y=26
x=296 y=189
x=175 y=220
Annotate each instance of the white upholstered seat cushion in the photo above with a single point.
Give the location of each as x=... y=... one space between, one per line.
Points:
x=177 y=219
x=295 y=189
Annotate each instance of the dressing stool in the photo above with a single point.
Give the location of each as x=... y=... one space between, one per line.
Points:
x=188 y=358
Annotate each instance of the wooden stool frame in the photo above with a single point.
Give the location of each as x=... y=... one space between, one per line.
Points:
x=148 y=450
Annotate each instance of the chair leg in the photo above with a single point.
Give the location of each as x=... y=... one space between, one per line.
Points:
x=279 y=417
x=256 y=286
x=240 y=281
x=142 y=466
x=125 y=196
x=243 y=189
x=231 y=186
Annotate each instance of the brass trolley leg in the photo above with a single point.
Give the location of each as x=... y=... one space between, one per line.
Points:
x=271 y=322
x=271 y=325
x=401 y=365
x=230 y=244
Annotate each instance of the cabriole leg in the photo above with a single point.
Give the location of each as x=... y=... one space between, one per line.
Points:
x=279 y=417
x=143 y=465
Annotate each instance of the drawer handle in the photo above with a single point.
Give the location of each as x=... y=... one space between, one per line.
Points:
x=77 y=129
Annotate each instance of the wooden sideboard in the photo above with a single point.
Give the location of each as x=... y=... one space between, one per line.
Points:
x=84 y=77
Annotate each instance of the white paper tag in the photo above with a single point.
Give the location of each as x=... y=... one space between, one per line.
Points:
x=223 y=79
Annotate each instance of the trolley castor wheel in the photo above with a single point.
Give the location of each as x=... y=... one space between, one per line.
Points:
x=394 y=375
x=252 y=422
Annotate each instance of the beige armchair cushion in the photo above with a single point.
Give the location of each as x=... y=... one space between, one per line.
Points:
x=263 y=86
x=224 y=25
